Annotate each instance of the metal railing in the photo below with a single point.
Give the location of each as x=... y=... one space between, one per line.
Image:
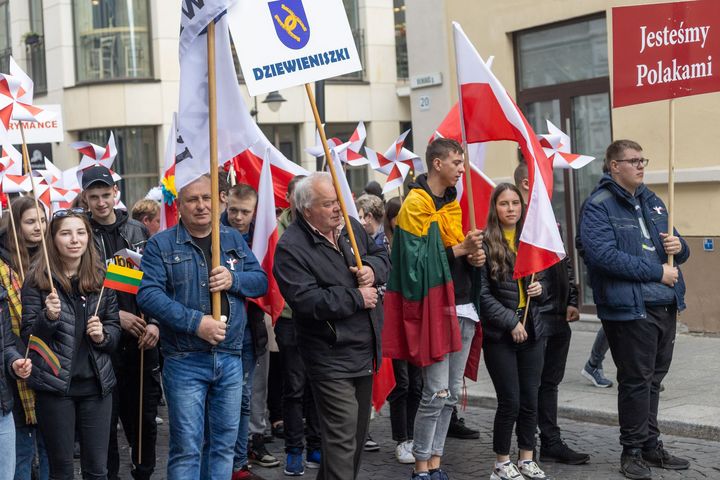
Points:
x=36 y=64
x=5 y=60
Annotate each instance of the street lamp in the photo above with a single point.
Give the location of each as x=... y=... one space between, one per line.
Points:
x=273 y=100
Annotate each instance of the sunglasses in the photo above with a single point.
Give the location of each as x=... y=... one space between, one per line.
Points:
x=69 y=212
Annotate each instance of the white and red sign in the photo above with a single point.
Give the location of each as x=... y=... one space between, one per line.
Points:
x=663 y=51
x=47 y=128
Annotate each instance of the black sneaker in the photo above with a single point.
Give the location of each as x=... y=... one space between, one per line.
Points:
x=458 y=429
x=633 y=466
x=258 y=454
x=559 y=452
x=660 y=458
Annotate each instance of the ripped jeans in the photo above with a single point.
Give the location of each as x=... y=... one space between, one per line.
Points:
x=442 y=384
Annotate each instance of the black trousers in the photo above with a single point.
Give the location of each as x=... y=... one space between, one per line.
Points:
x=343 y=407
x=404 y=399
x=126 y=405
x=275 y=387
x=515 y=371
x=556 y=352
x=296 y=392
x=57 y=417
x=642 y=351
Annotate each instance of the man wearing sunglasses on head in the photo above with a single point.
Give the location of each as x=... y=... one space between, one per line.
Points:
x=623 y=238
x=114 y=230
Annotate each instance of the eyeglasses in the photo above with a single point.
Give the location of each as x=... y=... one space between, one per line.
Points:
x=69 y=212
x=636 y=162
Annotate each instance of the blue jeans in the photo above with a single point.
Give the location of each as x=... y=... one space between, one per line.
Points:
x=29 y=442
x=599 y=350
x=200 y=388
x=7 y=446
x=248 y=362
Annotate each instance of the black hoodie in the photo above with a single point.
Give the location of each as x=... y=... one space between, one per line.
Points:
x=460 y=269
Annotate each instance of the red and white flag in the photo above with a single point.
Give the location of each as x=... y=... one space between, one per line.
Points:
x=265 y=240
x=168 y=212
x=248 y=166
x=345 y=190
x=489 y=114
x=556 y=145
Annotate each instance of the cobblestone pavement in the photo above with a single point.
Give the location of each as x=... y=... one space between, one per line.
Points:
x=473 y=459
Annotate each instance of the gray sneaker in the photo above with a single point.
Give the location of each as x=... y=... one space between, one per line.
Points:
x=507 y=471
x=595 y=376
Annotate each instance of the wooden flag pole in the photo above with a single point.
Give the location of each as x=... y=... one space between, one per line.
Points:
x=466 y=157
x=214 y=174
x=28 y=167
x=97 y=307
x=671 y=178
x=15 y=237
x=527 y=302
x=140 y=409
x=333 y=173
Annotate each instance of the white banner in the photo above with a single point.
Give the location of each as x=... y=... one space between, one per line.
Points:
x=283 y=43
x=49 y=129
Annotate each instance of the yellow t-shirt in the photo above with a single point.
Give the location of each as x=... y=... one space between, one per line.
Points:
x=510 y=239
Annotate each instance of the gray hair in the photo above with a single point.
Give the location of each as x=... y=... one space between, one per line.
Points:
x=180 y=192
x=304 y=191
x=370 y=204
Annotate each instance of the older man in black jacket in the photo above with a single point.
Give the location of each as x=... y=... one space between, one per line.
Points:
x=338 y=318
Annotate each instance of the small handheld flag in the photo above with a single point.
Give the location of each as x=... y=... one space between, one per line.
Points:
x=123 y=279
x=37 y=345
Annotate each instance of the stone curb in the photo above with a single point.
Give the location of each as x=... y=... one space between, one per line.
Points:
x=668 y=427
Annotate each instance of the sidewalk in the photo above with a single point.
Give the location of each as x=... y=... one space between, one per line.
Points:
x=689 y=406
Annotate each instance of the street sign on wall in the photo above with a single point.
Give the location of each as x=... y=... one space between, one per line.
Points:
x=663 y=51
x=284 y=43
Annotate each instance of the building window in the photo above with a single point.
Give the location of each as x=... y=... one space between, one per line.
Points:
x=401 y=51
x=5 y=42
x=112 y=40
x=353 y=16
x=136 y=160
x=563 y=77
x=35 y=47
x=284 y=137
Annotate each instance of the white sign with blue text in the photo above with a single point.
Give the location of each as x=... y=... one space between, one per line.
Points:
x=283 y=43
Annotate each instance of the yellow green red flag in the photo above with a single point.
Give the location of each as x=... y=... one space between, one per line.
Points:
x=123 y=279
x=37 y=345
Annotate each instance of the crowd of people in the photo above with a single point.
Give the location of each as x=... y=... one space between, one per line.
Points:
x=426 y=294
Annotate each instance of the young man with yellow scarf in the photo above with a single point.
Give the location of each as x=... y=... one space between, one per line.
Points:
x=430 y=320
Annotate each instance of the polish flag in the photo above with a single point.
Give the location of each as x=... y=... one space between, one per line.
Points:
x=556 y=145
x=265 y=240
x=248 y=165
x=482 y=185
x=489 y=114
x=344 y=186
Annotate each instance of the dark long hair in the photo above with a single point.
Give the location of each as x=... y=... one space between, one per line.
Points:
x=501 y=259
x=90 y=273
x=21 y=254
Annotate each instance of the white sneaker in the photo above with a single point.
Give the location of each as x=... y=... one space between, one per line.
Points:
x=403 y=452
x=531 y=470
x=507 y=472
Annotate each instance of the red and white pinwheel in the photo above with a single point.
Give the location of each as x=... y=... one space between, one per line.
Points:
x=16 y=97
x=348 y=152
x=556 y=145
x=395 y=163
x=96 y=155
x=16 y=183
x=10 y=160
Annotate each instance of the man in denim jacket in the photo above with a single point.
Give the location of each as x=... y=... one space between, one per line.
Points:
x=202 y=374
x=624 y=241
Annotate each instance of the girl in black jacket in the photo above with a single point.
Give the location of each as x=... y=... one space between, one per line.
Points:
x=513 y=350
x=64 y=319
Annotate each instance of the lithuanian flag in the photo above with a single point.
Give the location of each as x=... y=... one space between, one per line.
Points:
x=37 y=345
x=123 y=279
x=420 y=320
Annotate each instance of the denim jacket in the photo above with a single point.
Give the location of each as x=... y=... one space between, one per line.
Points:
x=175 y=291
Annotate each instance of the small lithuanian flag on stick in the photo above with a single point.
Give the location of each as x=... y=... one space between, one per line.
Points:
x=37 y=345
x=123 y=279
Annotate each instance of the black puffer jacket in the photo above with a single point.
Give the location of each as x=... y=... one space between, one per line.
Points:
x=132 y=232
x=498 y=304
x=561 y=292
x=59 y=335
x=8 y=354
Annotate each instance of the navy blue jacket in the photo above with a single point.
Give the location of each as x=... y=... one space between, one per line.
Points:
x=175 y=291
x=610 y=242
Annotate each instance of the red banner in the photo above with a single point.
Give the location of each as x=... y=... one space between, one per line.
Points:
x=663 y=51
